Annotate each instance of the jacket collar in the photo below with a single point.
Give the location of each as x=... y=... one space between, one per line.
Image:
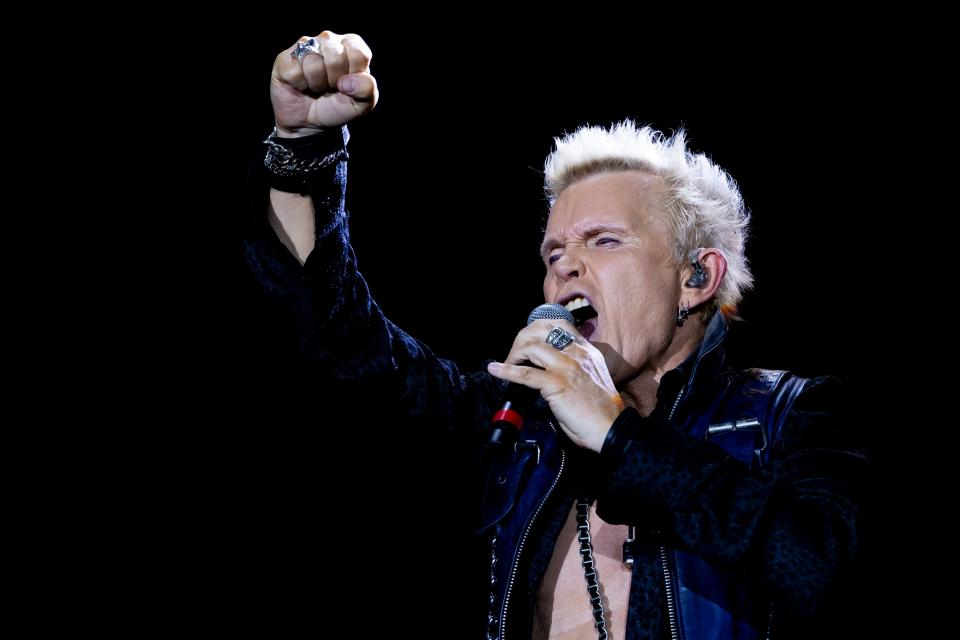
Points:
x=710 y=356
x=701 y=365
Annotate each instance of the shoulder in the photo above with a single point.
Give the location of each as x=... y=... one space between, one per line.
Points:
x=788 y=404
x=789 y=390
x=819 y=417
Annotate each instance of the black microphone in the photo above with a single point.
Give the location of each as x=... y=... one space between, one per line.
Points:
x=508 y=420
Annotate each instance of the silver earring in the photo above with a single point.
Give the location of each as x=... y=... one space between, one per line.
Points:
x=682 y=314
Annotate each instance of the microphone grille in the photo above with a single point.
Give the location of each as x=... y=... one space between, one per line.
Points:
x=550 y=312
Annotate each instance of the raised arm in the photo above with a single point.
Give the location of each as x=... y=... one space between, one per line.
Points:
x=299 y=245
x=319 y=84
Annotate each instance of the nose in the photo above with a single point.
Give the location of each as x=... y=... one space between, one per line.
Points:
x=568 y=266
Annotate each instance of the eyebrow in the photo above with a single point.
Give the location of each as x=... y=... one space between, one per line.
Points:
x=549 y=244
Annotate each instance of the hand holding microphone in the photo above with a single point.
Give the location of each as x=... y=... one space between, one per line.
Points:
x=550 y=357
x=518 y=399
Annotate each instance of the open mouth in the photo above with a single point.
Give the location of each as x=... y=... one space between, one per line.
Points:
x=585 y=317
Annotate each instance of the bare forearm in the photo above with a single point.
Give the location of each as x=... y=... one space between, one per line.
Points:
x=291 y=216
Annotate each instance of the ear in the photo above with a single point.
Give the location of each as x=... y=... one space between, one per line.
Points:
x=700 y=286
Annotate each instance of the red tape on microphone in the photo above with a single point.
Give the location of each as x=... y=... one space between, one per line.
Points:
x=508 y=415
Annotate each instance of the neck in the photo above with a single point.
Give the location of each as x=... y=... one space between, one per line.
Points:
x=640 y=392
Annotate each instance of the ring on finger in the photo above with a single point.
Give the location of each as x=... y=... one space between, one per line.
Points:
x=559 y=338
x=310 y=45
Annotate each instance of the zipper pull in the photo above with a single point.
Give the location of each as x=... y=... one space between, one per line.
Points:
x=528 y=444
x=628 y=546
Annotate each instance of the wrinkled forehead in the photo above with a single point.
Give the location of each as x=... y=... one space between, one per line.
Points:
x=632 y=199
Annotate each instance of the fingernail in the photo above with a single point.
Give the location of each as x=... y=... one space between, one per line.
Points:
x=493 y=367
x=348 y=85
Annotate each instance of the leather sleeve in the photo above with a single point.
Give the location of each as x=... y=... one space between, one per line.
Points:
x=341 y=332
x=791 y=526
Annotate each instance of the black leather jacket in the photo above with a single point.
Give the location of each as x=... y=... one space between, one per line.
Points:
x=727 y=522
x=721 y=501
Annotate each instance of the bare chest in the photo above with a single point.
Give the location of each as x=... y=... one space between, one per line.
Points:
x=563 y=609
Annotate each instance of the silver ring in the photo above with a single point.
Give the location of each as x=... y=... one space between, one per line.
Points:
x=559 y=338
x=310 y=45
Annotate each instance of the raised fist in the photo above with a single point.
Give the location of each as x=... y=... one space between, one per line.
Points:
x=322 y=82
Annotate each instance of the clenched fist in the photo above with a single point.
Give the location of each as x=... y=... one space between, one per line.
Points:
x=328 y=87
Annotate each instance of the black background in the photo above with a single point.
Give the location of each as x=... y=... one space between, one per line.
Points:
x=445 y=194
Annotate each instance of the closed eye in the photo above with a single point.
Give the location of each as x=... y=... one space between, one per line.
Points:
x=606 y=241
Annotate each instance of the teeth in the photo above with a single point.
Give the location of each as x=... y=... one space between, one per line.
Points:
x=577 y=303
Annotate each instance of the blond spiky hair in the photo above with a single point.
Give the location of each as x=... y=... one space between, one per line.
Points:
x=704 y=202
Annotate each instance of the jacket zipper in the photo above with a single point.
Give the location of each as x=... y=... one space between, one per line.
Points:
x=523 y=540
x=671 y=597
x=672 y=611
x=665 y=559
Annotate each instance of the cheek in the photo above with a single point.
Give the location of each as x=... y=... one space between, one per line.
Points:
x=643 y=305
x=549 y=287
